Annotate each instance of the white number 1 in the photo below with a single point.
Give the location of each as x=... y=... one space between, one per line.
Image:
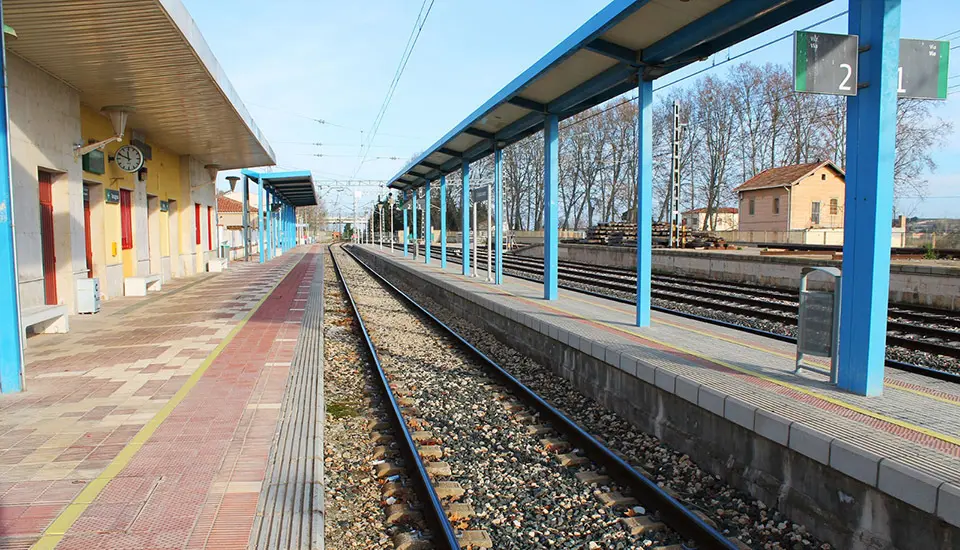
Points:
x=900 y=89
x=844 y=85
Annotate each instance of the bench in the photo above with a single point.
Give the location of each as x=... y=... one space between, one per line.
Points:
x=45 y=319
x=217 y=265
x=138 y=286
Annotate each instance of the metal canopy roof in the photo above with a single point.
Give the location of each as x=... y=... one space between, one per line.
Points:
x=147 y=54
x=598 y=62
x=293 y=188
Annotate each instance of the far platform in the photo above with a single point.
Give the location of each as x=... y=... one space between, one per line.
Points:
x=884 y=469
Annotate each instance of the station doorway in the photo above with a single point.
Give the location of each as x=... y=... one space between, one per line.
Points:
x=47 y=241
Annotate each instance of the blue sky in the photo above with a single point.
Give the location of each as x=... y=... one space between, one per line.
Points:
x=293 y=61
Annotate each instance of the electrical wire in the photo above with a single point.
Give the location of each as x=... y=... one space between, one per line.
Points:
x=404 y=59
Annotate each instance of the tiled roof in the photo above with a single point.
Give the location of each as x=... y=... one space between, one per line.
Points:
x=784 y=175
x=226 y=205
x=721 y=210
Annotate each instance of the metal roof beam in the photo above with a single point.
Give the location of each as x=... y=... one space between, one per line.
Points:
x=450 y=152
x=613 y=51
x=511 y=131
x=595 y=86
x=528 y=104
x=429 y=164
x=479 y=133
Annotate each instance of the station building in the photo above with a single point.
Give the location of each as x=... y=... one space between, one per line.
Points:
x=85 y=106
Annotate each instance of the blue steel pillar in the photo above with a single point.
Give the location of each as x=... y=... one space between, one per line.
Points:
x=551 y=220
x=270 y=249
x=405 y=253
x=871 y=137
x=261 y=218
x=644 y=200
x=11 y=348
x=465 y=219
x=413 y=206
x=498 y=215
x=427 y=228
x=443 y=222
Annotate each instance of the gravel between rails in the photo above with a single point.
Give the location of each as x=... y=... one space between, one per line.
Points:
x=522 y=496
x=354 y=519
x=736 y=513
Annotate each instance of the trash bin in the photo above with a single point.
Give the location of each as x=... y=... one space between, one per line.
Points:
x=818 y=321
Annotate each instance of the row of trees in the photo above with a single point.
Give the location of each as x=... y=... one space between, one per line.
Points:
x=734 y=126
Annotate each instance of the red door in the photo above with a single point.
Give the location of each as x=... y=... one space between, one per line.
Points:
x=86 y=230
x=46 y=238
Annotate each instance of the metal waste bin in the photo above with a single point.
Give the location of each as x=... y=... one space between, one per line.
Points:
x=818 y=320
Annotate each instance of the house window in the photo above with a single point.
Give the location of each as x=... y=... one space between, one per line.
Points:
x=126 y=223
x=834 y=207
x=823 y=177
x=753 y=204
x=815 y=212
x=776 y=205
x=196 y=214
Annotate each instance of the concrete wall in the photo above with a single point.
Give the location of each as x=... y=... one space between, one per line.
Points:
x=839 y=509
x=911 y=283
x=44 y=125
x=196 y=188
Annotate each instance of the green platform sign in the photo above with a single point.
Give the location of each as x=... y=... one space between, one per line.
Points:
x=827 y=64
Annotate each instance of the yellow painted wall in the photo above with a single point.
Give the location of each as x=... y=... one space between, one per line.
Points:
x=163 y=181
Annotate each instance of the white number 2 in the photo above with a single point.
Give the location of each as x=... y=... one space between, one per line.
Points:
x=845 y=86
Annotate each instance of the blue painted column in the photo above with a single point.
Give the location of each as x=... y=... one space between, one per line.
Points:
x=443 y=222
x=427 y=228
x=11 y=347
x=405 y=253
x=644 y=199
x=498 y=215
x=465 y=219
x=871 y=137
x=270 y=249
x=551 y=219
x=413 y=206
x=261 y=218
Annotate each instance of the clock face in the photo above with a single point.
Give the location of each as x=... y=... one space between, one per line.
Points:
x=129 y=158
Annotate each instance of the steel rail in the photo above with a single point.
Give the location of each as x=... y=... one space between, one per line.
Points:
x=933 y=348
x=675 y=514
x=444 y=536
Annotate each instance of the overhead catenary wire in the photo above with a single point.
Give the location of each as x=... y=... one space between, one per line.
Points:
x=404 y=59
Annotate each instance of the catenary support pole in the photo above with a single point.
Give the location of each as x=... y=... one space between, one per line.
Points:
x=644 y=199
x=393 y=226
x=443 y=222
x=871 y=140
x=261 y=219
x=381 y=226
x=427 y=226
x=498 y=213
x=11 y=331
x=551 y=220
x=465 y=219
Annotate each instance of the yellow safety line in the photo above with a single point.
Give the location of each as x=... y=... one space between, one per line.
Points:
x=805 y=391
x=55 y=532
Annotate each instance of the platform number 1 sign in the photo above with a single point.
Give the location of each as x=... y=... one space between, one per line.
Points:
x=827 y=64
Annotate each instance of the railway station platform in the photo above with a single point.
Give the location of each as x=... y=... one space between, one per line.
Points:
x=150 y=425
x=861 y=472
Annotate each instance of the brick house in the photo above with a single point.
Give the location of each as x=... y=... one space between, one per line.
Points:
x=795 y=197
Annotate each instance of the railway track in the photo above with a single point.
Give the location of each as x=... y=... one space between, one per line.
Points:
x=533 y=477
x=918 y=329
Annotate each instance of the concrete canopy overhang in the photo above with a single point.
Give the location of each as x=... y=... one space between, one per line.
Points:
x=599 y=61
x=293 y=188
x=149 y=55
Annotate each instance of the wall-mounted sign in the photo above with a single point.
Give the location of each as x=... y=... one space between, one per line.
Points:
x=923 y=69
x=111 y=196
x=164 y=206
x=93 y=162
x=825 y=63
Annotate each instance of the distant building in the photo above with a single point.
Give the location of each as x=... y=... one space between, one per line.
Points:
x=723 y=219
x=799 y=196
x=230 y=224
